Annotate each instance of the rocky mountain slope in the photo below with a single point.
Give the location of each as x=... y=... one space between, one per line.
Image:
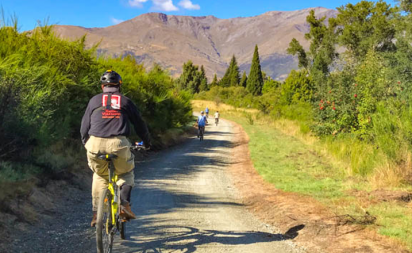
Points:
x=172 y=40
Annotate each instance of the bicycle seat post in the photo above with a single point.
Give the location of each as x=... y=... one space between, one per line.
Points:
x=111 y=170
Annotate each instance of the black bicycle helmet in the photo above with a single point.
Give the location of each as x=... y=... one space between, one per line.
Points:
x=111 y=78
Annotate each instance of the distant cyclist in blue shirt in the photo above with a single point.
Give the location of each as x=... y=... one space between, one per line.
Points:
x=201 y=123
x=207 y=112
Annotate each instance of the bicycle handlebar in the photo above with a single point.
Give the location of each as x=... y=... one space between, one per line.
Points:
x=139 y=148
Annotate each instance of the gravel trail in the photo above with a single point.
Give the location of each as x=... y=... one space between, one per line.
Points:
x=185 y=202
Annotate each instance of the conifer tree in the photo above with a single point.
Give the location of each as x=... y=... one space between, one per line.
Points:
x=243 y=81
x=190 y=78
x=234 y=72
x=255 y=79
x=214 y=82
x=203 y=80
x=225 y=81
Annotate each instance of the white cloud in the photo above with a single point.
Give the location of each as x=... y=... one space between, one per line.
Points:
x=164 y=5
x=158 y=5
x=116 y=21
x=137 y=3
x=187 y=4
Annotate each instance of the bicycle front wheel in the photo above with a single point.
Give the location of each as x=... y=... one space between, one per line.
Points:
x=104 y=227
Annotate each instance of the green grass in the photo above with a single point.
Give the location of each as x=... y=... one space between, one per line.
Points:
x=394 y=221
x=290 y=165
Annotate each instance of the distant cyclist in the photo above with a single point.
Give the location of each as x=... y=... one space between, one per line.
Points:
x=217 y=115
x=201 y=123
x=207 y=112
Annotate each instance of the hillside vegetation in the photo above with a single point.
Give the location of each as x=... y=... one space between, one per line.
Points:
x=45 y=85
x=352 y=90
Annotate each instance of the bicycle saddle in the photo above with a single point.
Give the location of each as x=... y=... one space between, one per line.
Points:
x=106 y=157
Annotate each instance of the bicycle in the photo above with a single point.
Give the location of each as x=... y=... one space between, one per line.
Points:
x=216 y=121
x=108 y=221
x=201 y=132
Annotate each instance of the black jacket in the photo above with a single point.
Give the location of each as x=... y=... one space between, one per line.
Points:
x=101 y=120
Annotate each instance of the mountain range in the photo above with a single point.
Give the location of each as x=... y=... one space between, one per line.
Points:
x=171 y=40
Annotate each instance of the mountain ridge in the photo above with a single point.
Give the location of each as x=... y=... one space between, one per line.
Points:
x=171 y=40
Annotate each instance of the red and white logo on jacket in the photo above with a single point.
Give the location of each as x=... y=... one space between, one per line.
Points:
x=115 y=101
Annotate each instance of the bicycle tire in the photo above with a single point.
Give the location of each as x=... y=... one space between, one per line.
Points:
x=122 y=230
x=104 y=235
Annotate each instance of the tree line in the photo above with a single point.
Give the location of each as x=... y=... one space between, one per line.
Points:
x=194 y=79
x=354 y=82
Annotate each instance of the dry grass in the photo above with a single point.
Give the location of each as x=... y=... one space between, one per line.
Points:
x=217 y=106
x=392 y=175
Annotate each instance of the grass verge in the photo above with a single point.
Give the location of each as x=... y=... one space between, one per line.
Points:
x=287 y=156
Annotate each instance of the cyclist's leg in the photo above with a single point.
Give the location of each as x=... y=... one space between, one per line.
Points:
x=198 y=131
x=124 y=165
x=100 y=176
x=99 y=184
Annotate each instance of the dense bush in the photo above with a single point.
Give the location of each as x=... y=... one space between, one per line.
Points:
x=45 y=85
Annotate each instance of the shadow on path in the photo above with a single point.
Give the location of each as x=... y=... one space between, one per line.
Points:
x=188 y=239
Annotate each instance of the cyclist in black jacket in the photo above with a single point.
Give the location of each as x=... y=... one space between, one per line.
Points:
x=105 y=126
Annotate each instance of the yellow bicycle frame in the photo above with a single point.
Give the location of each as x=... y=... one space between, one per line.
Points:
x=114 y=205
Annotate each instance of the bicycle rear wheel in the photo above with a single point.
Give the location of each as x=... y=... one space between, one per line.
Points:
x=104 y=226
x=202 y=132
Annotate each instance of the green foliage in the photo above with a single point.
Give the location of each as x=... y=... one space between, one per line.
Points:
x=243 y=81
x=214 y=82
x=255 y=79
x=232 y=76
x=192 y=79
x=270 y=86
x=203 y=83
x=249 y=118
x=234 y=72
x=45 y=85
x=225 y=81
x=296 y=49
x=298 y=87
x=366 y=25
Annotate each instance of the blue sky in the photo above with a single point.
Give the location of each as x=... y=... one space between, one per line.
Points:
x=101 y=13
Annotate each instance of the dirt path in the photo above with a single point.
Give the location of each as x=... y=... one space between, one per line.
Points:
x=186 y=202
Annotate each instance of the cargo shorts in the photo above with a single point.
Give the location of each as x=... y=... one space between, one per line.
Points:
x=124 y=163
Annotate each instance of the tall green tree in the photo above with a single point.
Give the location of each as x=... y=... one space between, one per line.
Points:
x=232 y=76
x=367 y=25
x=295 y=48
x=214 y=81
x=234 y=72
x=225 y=81
x=243 y=81
x=203 y=80
x=190 y=79
x=255 y=79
